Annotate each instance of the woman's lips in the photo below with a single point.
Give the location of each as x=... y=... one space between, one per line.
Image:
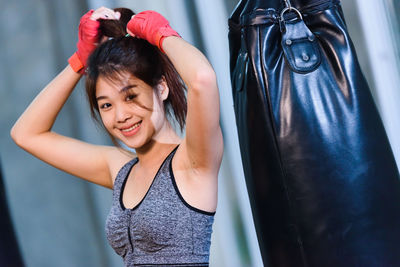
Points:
x=129 y=131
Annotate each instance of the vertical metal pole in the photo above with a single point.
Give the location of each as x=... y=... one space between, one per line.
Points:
x=381 y=46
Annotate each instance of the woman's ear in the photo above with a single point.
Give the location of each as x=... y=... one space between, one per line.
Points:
x=163 y=89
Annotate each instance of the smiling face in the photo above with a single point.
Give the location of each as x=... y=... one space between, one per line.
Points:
x=131 y=110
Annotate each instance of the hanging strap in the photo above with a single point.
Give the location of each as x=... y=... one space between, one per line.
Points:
x=299 y=44
x=288 y=4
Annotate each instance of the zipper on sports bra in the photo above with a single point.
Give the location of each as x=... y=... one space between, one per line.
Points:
x=129 y=232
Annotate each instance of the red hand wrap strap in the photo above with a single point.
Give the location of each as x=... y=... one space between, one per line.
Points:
x=76 y=63
x=151 y=26
x=87 y=42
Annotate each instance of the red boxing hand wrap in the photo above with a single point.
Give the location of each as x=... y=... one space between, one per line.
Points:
x=87 y=42
x=151 y=26
x=76 y=63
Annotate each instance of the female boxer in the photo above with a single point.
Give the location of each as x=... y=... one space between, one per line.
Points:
x=164 y=194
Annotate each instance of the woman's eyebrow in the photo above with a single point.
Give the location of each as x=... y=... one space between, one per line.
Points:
x=126 y=88
x=100 y=97
x=123 y=90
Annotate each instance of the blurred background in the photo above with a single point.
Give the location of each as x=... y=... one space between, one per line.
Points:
x=59 y=220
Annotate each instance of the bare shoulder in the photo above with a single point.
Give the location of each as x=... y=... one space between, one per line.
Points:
x=117 y=158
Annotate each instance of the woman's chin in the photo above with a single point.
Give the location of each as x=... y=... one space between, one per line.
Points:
x=134 y=143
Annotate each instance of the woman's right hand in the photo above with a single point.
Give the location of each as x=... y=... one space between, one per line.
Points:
x=33 y=130
x=88 y=36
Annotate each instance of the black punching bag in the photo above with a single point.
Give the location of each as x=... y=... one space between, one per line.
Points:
x=9 y=251
x=321 y=176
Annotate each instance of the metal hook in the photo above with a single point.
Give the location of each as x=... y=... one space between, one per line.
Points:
x=286 y=9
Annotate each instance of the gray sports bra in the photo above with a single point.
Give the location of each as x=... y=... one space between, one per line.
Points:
x=163 y=229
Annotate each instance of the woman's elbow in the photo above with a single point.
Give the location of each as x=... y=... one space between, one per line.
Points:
x=17 y=136
x=14 y=135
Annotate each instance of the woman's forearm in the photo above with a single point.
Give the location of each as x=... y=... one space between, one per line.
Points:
x=39 y=117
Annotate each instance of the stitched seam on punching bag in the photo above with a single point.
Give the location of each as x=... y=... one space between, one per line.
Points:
x=270 y=112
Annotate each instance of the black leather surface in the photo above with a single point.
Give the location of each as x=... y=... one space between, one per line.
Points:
x=322 y=180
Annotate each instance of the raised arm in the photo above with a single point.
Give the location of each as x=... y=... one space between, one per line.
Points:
x=203 y=140
x=33 y=132
x=203 y=132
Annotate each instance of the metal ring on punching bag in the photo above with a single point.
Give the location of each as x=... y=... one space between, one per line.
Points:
x=290 y=8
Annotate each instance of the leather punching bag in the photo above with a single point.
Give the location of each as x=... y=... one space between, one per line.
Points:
x=321 y=176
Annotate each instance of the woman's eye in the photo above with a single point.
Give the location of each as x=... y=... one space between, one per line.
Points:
x=130 y=97
x=105 y=106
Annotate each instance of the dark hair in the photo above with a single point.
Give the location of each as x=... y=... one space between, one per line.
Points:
x=116 y=28
x=138 y=57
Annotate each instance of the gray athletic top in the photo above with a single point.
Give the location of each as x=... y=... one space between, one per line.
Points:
x=163 y=229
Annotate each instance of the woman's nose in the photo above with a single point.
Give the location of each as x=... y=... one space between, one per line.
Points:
x=122 y=114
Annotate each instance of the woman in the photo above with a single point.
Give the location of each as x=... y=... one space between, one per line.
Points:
x=165 y=195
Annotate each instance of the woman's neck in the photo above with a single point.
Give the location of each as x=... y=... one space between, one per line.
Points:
x=159 y=147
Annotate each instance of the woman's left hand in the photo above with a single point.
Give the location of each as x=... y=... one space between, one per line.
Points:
x=151 y=26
